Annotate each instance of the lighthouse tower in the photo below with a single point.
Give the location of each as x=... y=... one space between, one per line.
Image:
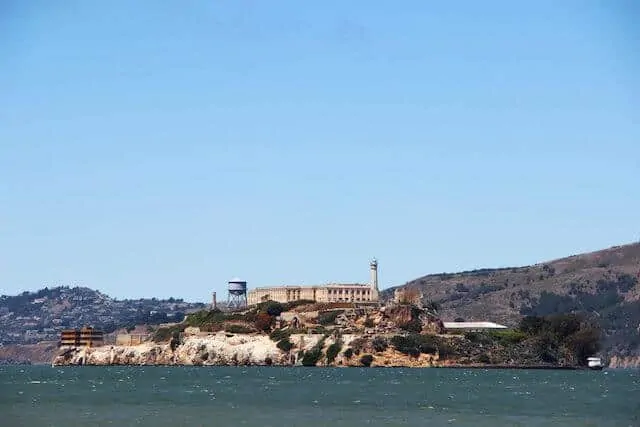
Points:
x=374 y=276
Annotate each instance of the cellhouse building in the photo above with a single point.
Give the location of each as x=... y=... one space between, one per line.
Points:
x=331 y=292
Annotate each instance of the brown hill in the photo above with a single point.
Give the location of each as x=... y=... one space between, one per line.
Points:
x=40 y=353
x=603 y=285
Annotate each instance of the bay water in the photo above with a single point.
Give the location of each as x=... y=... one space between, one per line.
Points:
x=156 y=396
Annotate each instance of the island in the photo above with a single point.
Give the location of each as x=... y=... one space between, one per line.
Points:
x=402 y=333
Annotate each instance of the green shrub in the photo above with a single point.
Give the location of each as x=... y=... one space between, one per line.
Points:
x=293 y=304
x=165 y=334
x=506 y=337
x=368 y=323
x=413 y=325
x=348 y=353
x=409 y=344
x=319 y=330
x=366 y=360
x=358 y=345
x=312 y=356
x=379 y=344
x=175 y=341
x=238 y=329
x=479 y=337
x=285 y=344
x=279 y=334
x=414 y=344
x=484 y=358
x=333 y=351
x=445 y=350
x=272 y=308
x=429 y=344
x=329 y=317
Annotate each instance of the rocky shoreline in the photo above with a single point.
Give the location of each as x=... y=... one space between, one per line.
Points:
x=223 y=349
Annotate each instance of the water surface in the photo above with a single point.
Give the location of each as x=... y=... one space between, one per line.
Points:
x=268 y=397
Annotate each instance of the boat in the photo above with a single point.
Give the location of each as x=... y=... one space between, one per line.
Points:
x=595 y=363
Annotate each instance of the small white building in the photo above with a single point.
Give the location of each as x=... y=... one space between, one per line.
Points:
x=472 y=326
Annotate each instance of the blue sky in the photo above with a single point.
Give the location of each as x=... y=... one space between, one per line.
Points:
x=162 y=148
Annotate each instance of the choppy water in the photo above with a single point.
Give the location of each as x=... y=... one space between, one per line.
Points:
x=268 y=397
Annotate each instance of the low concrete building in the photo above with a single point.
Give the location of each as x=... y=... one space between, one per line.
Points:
x=471 y=326
x=131 y=339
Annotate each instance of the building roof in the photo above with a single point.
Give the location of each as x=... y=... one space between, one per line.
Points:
x=327 y=285
x=473 y=325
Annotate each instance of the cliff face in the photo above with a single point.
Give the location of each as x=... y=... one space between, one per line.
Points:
x=219 y=349
x=625 y=362
x=231 y=350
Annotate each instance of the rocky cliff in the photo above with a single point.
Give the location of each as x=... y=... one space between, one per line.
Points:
x=624 y=362
x=223 y=349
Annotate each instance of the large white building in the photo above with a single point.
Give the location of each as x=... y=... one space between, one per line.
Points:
x=332 y=292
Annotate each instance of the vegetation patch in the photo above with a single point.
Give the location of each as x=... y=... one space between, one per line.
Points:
x=333 y=351
x=285 y=344
x=414 y=344
x=562 y=338
x=329 y=317
x=312 y=356
x=280 y=334
x=272 y=308
x=238 y=329
x=379 y=344
x=366 y=360
x=413 y=325
x=165 y=334
x=359 y=344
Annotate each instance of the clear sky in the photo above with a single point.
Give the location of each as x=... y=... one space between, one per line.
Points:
x=158 y=148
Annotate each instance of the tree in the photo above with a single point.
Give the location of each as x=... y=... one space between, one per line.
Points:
x=379 y=344
x=433 y=306
x=263 y=322
x=532 y=325
x=333 y=351
x=583 y=344
x=273 y=308
x=285 y=345
x=175 y=341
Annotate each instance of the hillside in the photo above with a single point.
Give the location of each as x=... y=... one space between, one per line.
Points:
x=32 y=317
x=602 y=284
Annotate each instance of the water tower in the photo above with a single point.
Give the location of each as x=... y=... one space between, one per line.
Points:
x=237 y=296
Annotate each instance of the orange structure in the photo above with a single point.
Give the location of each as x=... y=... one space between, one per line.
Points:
x=87 y=336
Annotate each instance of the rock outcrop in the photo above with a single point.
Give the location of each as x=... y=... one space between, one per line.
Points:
x=235 y=350
x=624 y=362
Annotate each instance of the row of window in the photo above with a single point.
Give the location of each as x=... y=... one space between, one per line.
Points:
x=346 y=291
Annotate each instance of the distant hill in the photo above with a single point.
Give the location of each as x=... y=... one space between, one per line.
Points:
x=32 y=317
x=602 y=284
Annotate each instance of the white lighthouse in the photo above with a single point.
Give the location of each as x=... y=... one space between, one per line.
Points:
x=374 y=275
